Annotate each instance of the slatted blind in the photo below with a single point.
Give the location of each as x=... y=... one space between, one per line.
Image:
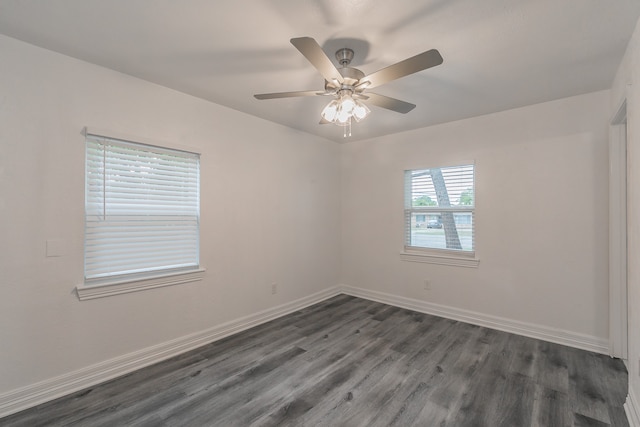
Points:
x=439 y=208
x=142 y=209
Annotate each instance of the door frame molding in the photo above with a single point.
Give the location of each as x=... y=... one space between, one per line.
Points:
x=618 y=321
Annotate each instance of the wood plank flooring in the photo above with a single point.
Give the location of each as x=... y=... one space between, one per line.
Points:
x=352 y=362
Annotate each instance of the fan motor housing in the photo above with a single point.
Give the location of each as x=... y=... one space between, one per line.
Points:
x=350 y=75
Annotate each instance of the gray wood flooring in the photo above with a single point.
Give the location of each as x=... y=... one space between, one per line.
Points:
x=352 y=362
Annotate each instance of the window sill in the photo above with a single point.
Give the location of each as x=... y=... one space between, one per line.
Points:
x=455 y=260
x=107 y=289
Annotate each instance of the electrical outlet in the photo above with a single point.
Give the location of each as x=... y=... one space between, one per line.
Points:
x=427 y=284
x=274 y=288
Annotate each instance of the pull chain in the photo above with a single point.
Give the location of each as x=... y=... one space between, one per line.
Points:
x=347 y=125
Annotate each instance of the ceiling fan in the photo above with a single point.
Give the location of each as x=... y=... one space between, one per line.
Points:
x=347 y=85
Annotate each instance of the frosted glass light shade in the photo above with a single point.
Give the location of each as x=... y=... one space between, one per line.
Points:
x=360 y=111
x=330 y=111
x=347 y=104
x=343 y=115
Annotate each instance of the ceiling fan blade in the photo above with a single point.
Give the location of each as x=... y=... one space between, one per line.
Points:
x=314 y=54
x=390 y=103
x=324 y=121
x=288 y=94
x=420 y=62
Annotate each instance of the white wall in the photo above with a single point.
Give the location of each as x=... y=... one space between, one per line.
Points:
x=541 y=215
x=627 y=86
x=269 y=196
x=274 y=202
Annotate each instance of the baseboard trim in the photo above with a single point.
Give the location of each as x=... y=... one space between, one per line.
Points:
x=44 y=391
x=632 y=409
x=558 y=336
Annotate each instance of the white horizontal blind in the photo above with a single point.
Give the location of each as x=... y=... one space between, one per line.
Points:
x=439 y=208
x=142 y=209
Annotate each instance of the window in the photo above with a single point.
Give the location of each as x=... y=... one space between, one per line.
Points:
x=439 y=208
x=142 y=211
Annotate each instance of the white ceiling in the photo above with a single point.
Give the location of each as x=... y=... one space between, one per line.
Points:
x=498 y=54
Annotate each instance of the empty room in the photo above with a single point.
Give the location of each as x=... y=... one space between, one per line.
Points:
x=320 y=213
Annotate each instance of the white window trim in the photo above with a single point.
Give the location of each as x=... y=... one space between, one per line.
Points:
x=109 y=288
x=440 y=257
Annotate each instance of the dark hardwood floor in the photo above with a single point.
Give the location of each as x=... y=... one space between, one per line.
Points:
x=352 y=362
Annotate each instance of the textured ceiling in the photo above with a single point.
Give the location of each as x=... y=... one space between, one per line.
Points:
x=498 y=54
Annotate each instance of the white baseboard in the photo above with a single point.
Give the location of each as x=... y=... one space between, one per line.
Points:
x=632 y=409
x=35 y=394
x=44 y=391
x=558 y=336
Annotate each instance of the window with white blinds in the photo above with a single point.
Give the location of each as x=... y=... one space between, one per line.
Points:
x=142 y=210
x=439 y=208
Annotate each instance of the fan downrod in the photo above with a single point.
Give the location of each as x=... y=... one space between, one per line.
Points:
x=344 y=56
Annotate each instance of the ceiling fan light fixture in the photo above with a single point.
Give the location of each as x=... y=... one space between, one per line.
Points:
x=340 y=111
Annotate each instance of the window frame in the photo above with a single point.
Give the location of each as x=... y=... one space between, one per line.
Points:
x=433 y=255
x=131 y=282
